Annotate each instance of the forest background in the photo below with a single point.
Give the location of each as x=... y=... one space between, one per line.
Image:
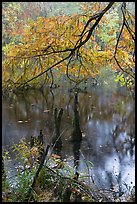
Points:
x=49 y=42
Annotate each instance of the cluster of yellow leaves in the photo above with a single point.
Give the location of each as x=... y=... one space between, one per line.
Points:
x=43 y=39
x=89 y=8
x=25 y=154
x=39 y=41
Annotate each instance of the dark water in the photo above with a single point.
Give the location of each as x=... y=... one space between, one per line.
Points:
x=108 y=126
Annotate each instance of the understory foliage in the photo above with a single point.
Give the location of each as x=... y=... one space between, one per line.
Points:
x=52 y=183
x=38 y=48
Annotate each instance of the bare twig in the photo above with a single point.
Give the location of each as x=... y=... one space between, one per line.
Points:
x=116 y=48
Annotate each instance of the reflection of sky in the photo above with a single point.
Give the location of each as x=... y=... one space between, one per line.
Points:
x=128 y=174
x=98 y=145
x=108 y=163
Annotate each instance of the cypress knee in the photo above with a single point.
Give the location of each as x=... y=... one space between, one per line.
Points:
x=76 y=133
x=40 y=145
x=56 y=140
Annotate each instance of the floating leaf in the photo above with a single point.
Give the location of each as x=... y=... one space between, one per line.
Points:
x=46 y=111
x=56 y=156
x=20 y=121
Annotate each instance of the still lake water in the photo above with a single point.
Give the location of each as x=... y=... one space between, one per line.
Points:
x=107 y=122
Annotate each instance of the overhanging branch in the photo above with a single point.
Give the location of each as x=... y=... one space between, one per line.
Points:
x=79 y=43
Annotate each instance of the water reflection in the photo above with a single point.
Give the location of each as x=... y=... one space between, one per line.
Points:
x=76 y=153
x=107 y=121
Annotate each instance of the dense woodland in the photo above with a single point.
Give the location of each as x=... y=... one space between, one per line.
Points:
x=43 y=41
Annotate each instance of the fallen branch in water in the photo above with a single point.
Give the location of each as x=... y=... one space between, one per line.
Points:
x=37 y=173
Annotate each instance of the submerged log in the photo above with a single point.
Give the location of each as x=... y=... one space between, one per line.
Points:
x=56 y=140
x=76 y=133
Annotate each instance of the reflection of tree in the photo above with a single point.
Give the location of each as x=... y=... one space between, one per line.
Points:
x=69 y=104
x=48 y=100
x=33 y=103
x=123 y=147
x=27 y=111
x=121 y=144
x=132 y=144
x=76 y=153
x=52 y=106
x=121 y=150
x=56 y=138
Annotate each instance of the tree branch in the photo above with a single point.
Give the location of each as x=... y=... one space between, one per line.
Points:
x=98 y=15
x=77 y=46
x=116 y=48
x=46 y=70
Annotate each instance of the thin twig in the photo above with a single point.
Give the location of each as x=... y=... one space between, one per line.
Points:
x=116 y=48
